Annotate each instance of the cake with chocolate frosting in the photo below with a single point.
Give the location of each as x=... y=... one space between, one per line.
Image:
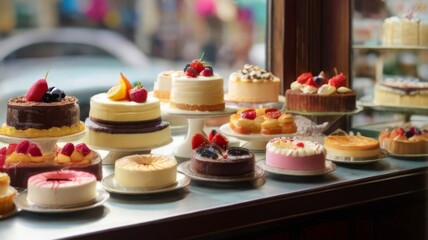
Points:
x=125 y=121
x=42 y=112
x=315 y=94
x=213 y=157
x=402 y=92
x=253 y=84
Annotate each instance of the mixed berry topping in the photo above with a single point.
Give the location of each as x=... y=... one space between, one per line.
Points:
x=198 y=67
x=208 y=152
x=39 y=92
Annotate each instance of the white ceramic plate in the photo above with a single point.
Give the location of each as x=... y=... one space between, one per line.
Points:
x=187 y=170
x=329 y=167
x=110 y=185
x=22 y=203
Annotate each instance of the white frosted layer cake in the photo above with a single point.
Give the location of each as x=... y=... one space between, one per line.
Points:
x=295 y=154
x=405 y=92
x=62 y=188
x=197 y=93
x=254 y=85
x=145 y=171
x=126 y=124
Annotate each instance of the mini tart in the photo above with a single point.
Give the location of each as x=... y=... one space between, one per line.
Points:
x=351 y=146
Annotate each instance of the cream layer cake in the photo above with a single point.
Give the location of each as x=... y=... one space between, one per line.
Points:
x=125 y=124
x=351 y=146
x=253 y=85
x=163 y=84
x=62 y=188
x=405 y=92
x=294 y=154
x=145 y=171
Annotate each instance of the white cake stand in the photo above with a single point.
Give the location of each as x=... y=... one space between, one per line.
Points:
x=46 y=144
x=196 y=125
x=115 y=153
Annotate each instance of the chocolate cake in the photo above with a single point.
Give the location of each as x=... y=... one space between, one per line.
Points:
x=307 y=102
x=23 y=114
x=210 y=159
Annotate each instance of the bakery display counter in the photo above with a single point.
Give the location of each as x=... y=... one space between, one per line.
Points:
x=273 y=205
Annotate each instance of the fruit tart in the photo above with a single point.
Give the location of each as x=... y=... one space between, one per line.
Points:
x=408 y=140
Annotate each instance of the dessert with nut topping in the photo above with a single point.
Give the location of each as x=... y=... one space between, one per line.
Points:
x=213 y=157
x=319 y=94
x=253 y=84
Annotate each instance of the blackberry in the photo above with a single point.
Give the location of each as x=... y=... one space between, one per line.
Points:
x=237 y=151
x=409 y=134
x=47 y=97
x=208 y=154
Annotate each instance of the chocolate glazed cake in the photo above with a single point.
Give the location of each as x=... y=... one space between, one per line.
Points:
x=23 y=114
x=304 y=102
x=125 y=127
x=211 y=160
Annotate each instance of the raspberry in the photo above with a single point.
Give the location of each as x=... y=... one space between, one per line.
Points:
x=3 y=150
x=191 y=72
x=271 y=110
x=212 y=134
x=197 y=65
x=34 y=150
x=83 y=149
x=67 y=149
x=207 y=72
x=249 y=114
x=22 y=146
x=11 y=148
x=220 y=140
x=138 y=93
x=401 y=131
x=273 y=115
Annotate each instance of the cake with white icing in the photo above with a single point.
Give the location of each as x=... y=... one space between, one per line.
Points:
x=253 y=84
x=402 y=92
x=295 y=154
x=145 y=171
x=405 y=31
x=62 y=188
x=163 y=84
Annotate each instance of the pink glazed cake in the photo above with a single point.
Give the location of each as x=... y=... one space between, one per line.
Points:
x=62 y=188
x=295 y=154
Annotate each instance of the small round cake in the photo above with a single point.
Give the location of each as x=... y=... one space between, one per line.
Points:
x=351 y=146
x=7 y=194
x=210 y=159
x=145 y=171
x=407 y=140
x=62 y=188
x=163 y=84
x=294 y=154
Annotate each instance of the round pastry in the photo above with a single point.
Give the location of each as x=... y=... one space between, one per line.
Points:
x=410 y=140
x=62 y=188
x=294 y=154
x=253 y=85
x=351 y=146
x=145 y=171
x=7 y=194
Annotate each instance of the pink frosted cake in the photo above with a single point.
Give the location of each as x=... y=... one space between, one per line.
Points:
x=62 y=188
x=294 y=154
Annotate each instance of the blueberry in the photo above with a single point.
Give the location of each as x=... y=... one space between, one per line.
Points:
x=319 y=80
x=237 y=151
x=209 y=154
x=62 y=94
x=56 y=94
x=409 y=134
x=214 y=149
x=185 y=68
x=47 y=97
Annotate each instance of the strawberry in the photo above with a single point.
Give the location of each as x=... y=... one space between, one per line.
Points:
x=11 y=148
x=3 y=150
x=207 y=72
x=220 y=140
x=197 y=140
x=197 y=65
x=401 y=131
x=273 y=115
x=34 y=150
x=300 y=144
x=138 y=93
x=37 y=90
x=249 y=114
x=271 y=110
x=22 y=146
x=212 y=134
x=2 y=159
x=191 y=72
x=311 y=82
x=337 y=81
x=67 y=149
x=83 y=149
x=304 y=77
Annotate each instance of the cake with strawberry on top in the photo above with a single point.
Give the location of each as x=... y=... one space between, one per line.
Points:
x=43 y=112
x=212 y=156
x=25 y=159
x=199 y=89
x=126 y=117
x=317 y=94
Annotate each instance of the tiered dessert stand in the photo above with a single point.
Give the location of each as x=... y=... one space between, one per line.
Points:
x=195 y=125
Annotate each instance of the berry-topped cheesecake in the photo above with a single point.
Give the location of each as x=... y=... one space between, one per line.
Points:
x=213 y=157
x=43 y=112
x=408 y=140
x=253 y=84
x=317 y=94
x=198 y=89
x=25 y=159
x=126 y=117
x=262 y=120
